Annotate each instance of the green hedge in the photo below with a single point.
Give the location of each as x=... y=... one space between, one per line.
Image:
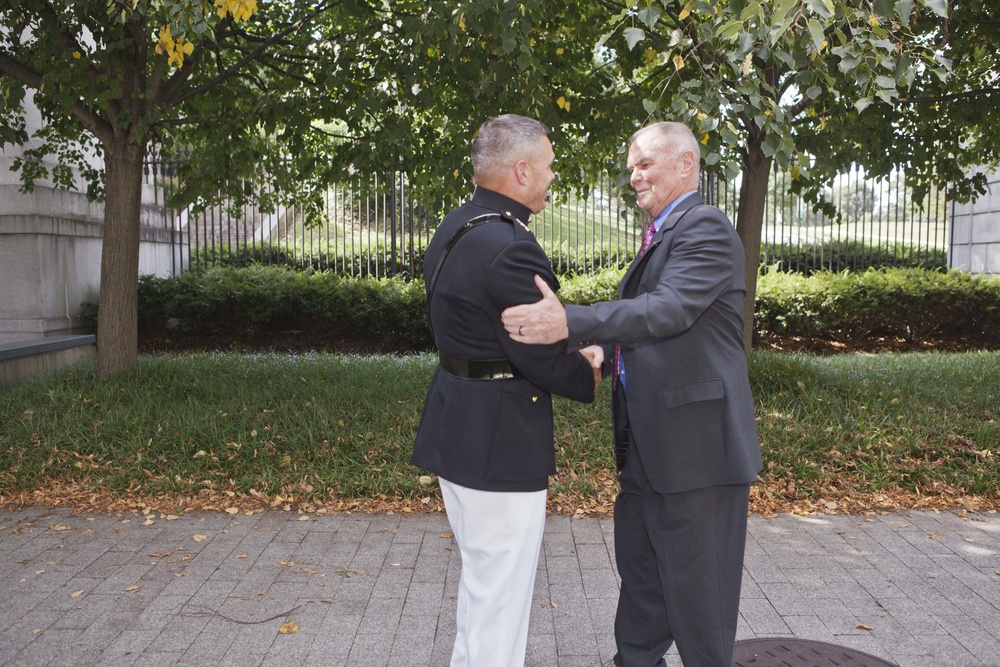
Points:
x=854 y=256
x=807 y=259
x=905 y=303
x=390 y=314
x=249 y=302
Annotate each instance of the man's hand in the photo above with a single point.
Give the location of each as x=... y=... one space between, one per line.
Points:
x=537 y=323
x=595 y=355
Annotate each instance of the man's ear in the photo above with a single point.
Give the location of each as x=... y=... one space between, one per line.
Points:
x=689 y=161
x=521 y=172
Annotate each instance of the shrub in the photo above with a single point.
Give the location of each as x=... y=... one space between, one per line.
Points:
x=389 y=314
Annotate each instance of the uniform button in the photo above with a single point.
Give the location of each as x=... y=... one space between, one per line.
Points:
x=534 y=399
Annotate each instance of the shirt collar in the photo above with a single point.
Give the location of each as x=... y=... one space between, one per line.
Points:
x=662 y=217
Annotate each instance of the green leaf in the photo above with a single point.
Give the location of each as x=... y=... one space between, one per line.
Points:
x=649 y=16
x=649 y=106
x=905 y=9
x=633 y=36
x=816 y=32
x=939 y=7
x=727 y=31
x=863 y=104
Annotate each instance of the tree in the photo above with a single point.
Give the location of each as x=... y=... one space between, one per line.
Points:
x=108 y=78
x=291 y=93
x=779 y=80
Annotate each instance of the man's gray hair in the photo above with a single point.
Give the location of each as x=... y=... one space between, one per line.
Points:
x=677 y=137
x=502 y=141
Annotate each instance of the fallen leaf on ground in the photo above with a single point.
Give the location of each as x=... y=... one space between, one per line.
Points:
x=132 y=589
x=76 y=594
x=288 y=628
x=200 y=538
x=862 y=626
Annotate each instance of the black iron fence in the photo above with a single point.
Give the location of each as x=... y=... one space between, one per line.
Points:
x=376 y=228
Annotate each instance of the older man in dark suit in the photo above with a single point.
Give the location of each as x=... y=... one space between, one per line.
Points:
x=684 y=417
x=486 y=428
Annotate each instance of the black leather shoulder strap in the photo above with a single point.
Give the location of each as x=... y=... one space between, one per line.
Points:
x=475 y=222
x=471 y=224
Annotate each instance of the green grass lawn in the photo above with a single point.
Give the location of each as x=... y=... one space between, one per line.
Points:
x=849 y=432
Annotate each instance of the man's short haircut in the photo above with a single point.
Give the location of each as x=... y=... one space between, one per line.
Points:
x=677 y=136
x=502 y=141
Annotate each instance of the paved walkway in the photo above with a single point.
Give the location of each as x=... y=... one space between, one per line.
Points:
x=921 y=589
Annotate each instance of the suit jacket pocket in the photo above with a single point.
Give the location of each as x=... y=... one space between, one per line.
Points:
x=693 y=421
x=523 y=447
x=706 y=390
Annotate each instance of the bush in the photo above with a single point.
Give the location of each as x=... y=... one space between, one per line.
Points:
x=380 y=260
x=249 y=302
x=389 y=314
x=855 y=256
x=903 y=303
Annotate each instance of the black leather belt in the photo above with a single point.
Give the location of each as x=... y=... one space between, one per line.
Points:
x=499 y=369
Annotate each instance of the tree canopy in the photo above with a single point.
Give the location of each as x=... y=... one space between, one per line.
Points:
x=297 y=94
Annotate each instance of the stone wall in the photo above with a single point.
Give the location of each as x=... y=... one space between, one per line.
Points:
x=50 y=254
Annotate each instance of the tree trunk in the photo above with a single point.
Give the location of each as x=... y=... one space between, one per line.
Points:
x=117 y=330
x=749 y=224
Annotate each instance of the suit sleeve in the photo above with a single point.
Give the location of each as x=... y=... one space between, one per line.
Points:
x=698 y=269
x=549 y=367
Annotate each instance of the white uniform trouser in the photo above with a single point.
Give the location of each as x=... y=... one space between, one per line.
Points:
x=499 y=535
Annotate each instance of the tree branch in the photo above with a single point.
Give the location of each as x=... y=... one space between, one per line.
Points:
x=32 y=79
x=949 y=98
x=170 y=90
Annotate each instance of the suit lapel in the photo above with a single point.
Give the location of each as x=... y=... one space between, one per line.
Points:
x=630 y=280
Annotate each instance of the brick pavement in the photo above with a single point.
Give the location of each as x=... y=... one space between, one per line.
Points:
x=917 y=588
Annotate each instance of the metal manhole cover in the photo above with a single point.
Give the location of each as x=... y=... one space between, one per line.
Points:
x=791 y=652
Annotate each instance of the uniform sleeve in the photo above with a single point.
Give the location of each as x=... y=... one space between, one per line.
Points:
x=552 y=368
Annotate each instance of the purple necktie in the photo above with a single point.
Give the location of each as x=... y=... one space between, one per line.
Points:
x=618 y=364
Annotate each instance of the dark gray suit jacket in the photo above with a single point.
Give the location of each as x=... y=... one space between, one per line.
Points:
x=679 y=322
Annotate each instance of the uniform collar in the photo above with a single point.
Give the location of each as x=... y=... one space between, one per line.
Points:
x=502 y=203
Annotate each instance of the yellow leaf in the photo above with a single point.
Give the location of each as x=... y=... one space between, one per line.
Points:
x=76 y=594
x=132 y=589
x=704 y=138
x=684 y=13
x=289 y=627
x=862 y=626
x=232 y=510
x=678 y=62
x=200 y=538
x=873 y=21
x=76 y=54
x=461 y=22
x=560 y=51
